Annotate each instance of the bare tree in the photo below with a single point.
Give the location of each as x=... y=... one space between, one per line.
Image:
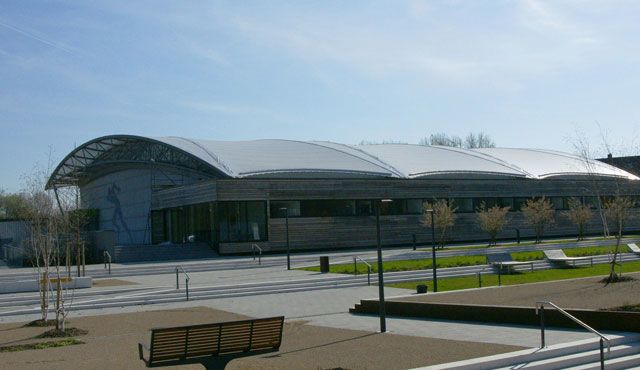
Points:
x=471 y=141
x=539 y=214
x=444 y=217
x=579 y=214
x=492 y=220
x=617 y=211
x=442 y=139
x=583 y=150
x=480 y=140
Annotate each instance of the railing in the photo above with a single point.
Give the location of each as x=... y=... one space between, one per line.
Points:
x=355 y=268
x=186 y=279
x=107 y=260
x=255 y=247
x=540 y=312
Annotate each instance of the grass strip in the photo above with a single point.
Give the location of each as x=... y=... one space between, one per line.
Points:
x=516 y=278
x=41 y=345
x=405 y=265
x=457 y=261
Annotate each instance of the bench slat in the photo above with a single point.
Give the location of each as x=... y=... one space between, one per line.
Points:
x=215 y=339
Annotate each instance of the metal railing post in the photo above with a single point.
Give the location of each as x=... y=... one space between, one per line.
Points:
x=601 y=354
x=355 y=266
x=186 y=283
x=414 y=242
x=368 y=275
x=479 y=280
x=177 y=280
x=500 y=275
x=542 y=341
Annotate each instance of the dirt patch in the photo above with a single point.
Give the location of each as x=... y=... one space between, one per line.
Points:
x=40 y=323
x=303 y=347
x=67 y=332
x=40 y=345
x=111 y=282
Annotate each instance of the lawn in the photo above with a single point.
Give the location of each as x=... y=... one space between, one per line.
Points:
x=570 y=252
x=530 y=242
x=518 y=278
x=406 y=265
x=456 y=261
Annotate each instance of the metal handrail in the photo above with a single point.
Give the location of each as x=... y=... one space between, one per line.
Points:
x=355 y=268
x=540 y=305
x=107 y=260
x=186 y=280
x=253 y=249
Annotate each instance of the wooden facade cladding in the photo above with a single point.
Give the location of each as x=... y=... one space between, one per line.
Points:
x=254 y=189
x=307 y=233
x=200 y=192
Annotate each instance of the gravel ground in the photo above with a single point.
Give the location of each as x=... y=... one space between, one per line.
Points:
x=576 y=293
x=112 y=344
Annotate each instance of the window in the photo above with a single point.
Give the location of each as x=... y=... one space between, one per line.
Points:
x=364 y=207
x=292 y=206
x=242 y=221
x=327 y=208
x=396 y=207
x=488 y=203
x=519 y=203
x=505 y=202
x=465 y=205
x=413 y=206
x=558 y=203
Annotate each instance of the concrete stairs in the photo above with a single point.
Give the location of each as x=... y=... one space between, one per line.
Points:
x=580 y=355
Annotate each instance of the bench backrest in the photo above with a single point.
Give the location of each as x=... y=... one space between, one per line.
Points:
x=499 y=257
x=633 y=247
x=555 y=254
x=216 y=339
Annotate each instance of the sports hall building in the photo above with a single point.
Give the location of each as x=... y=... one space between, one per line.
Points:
x=232 y=194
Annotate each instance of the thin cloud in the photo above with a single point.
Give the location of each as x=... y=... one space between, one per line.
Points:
x=32 y=35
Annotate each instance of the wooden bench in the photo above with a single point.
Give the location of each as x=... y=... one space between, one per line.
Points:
x=226 y=339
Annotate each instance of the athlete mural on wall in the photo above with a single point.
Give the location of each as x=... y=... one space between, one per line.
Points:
x=117 y=219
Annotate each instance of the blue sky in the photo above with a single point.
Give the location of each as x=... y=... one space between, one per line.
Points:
x=528 y=73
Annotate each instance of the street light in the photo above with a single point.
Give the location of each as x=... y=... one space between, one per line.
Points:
x=433 y=250
x=286 y=217
x=383 y=319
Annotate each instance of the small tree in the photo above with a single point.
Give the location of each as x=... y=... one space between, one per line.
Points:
x=539 y=214
x=579 y=214
x=492 y=220
x=617 y=211
x=444 y=218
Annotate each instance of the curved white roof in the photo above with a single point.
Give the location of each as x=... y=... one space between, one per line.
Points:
x=321 y=159
x=542 y=164
x=421 y=161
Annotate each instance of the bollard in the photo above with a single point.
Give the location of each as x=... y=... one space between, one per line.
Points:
x=324 y=264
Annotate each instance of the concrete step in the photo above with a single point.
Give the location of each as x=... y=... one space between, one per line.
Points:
x=579 y=358
x=624 y=362
x=574 y=353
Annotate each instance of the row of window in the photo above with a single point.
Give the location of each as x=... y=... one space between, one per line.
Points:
x=341 y=208
x=211 y=222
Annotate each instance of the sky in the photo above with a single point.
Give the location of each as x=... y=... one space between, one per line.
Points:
x=528 y=73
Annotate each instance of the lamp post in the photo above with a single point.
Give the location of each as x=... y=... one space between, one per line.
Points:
x=433 y=250
x=286 y=220
x=383 y=318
